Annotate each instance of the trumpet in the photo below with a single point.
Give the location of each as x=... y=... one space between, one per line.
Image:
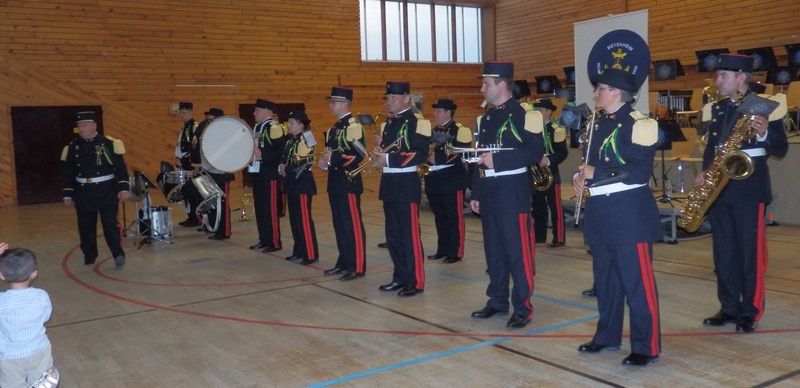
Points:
x=367 y=162
x=470 y=155
x=310 y=158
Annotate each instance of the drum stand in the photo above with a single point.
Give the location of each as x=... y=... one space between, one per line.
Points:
x=146 y=234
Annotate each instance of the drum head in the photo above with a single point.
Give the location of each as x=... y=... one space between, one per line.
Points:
x=227 y=144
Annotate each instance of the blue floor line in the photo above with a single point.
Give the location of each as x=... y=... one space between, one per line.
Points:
x=444 y=354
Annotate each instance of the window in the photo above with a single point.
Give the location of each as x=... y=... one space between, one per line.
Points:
x=420 y=32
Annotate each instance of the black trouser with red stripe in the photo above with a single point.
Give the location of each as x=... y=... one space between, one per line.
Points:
x=509 y=246
x=624 y=272
x=87 y=229
x=224 y=211
x=404 y=242
x=740 y=257
x=266 y=205
x=542 y=203
x=448 y=213
x=349 y=230
x=303 y=231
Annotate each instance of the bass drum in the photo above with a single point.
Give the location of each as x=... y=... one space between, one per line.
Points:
x=226 y=145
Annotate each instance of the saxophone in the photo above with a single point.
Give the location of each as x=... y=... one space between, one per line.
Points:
x=729 y=163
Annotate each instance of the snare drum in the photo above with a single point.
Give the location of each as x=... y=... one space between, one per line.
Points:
x=161 y=222
x=209 y=191
x=226 y=145
x=173 y=182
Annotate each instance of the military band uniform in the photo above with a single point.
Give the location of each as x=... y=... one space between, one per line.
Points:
x=267 y=189
x=445 y=185
x=549 y=201
x=621 y=222
x=300 y=189
x=737 y=216
x=400 y=191
x=344 y=194
x=504 y=194
x=94 y=172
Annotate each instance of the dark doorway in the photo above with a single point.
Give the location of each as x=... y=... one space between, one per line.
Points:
x=40 y=133
x=246 y=114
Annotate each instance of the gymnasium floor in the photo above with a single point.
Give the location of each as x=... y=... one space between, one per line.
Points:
x=215 y=314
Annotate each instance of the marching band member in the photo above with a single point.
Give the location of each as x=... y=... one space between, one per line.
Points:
x=300 y=187
x=95 y=180
x=188 y=153
x=344 y=194
x=400 y=188
x=446 y=182
x=621 y=219
x=549 y=201
x=737 y=216
x=270 y=138
x=502 y=191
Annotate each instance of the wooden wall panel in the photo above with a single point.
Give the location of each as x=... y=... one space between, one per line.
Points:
x=538 y=35
x=136 y=58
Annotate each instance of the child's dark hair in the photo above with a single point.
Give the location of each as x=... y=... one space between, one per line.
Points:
x=17 y=264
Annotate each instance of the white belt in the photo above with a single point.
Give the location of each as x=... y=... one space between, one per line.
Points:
x=95 y=180
x=491 y=173
x=753 y=152
x=395 y=170
x=612 y=188
x=439 y=167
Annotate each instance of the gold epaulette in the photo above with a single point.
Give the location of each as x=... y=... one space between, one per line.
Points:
x=559 y=133
x=706 y=112
x=423 y=126
x=355 y=131
x=780 y=112
x=534 y=121
x=64 y=153
x=478 y=123
x=464 y=135
x=383 y=126
x=119 y=146
x=276 y=131
x=645 y=129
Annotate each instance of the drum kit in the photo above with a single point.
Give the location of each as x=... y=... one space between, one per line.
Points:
x=226 y=146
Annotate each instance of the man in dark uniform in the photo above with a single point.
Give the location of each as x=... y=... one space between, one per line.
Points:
x=400 y=187
x=188 y=153
x=221 y=214
x=95 y=180
x=271 y=138
x=555 y=149
x=344 y=194
x=502 y=191
x=621 y=220
x=446 y=181
x=737 y=216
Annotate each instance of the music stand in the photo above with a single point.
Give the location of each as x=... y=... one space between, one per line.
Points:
x=782 y=76
x=707 y=59
x=793 y=54
x=668 y=131
x=547 y=84
x=763 y=58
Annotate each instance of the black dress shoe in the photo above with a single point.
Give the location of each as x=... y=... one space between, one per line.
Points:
x=409 y=291
x=291 y=258
x=88 y=261
x=218 y=237
x=393 y=286
x=436 y=257
x=517 y=321
x=119 y=262
x=308 y=261
x=382 y=245
x=555 y=244
x=638 y=359
x=333 y=271
x=594 y=347
x=487 y=312
x=451 y=260
x=540 y=241
x=189 y=223
x=590 y=292
x=745 y=325
x=258 y=247
x=270 y=249
x=351 y=276
x=719 y=319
